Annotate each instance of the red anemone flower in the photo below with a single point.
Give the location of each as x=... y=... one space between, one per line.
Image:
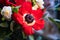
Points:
x=29 y=19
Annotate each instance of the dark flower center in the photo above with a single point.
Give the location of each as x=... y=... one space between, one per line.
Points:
x=29 y=18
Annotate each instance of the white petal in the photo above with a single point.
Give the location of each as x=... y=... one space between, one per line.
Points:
x=40 y=3
x=6 y=9
x=35 y=7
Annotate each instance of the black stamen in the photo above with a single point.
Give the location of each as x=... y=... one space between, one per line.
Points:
x=29 y=18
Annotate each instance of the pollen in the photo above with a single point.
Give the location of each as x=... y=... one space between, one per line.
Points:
x=6 y=13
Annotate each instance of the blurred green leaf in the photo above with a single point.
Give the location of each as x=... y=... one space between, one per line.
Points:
x=31 y=37
x=15 y=9
x=52 y=20
x=4 y=37
x=8 y=35
x=3 y=18
x=44 y=15
x=33 y=2
x=58 y=8
x=4 y=24
x=11 y=25
x=24 y=35
x=39 y=38
x=0 y=9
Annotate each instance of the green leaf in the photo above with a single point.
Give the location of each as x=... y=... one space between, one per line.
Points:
x=4 y=24
x=31 y=37
x=15 y=9
x=11 y=25
x=3 y=18
x=8 y=35
x=0 y=9
x=58 y=8
x=1 y=38
x=5 y=36
x=18 y=7
x=24 y=35
x=52 y=20
x=39 y=38
x=33 y=2
x=44 y=15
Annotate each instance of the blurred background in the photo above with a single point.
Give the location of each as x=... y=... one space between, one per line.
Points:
x=9 y=30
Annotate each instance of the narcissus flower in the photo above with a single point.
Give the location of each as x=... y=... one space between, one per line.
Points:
x=6 y=12
x=29 y=19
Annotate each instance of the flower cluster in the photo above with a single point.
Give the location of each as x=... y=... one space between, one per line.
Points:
x=30 y=17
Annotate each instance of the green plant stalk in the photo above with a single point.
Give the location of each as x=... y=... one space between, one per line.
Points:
x=33 y=2
x=57 y=24
x=58 y=8
x=31 y=37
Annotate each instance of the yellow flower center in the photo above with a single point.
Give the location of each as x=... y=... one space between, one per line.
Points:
x=6 y=13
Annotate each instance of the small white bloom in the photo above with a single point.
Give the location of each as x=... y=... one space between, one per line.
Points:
x=35 y=7
x=40 y=3
x=6 y=12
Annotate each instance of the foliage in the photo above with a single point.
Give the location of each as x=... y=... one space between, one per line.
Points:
x=57 y=23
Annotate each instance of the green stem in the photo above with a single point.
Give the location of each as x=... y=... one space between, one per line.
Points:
x=33 y=2
x=39 y=38
x=31 y=37
x=58 y=8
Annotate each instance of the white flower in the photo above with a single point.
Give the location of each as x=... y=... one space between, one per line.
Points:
x=35 y=7
x=6 y=12
x=40 y=3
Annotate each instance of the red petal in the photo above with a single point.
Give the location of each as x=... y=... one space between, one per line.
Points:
x=39 y=25
x=17 y=18
x=9 y=3
x=6 y=2
x=26 y=7
x=28 y=30
x=37 y=13
x=2 y=1
x=19 y=2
